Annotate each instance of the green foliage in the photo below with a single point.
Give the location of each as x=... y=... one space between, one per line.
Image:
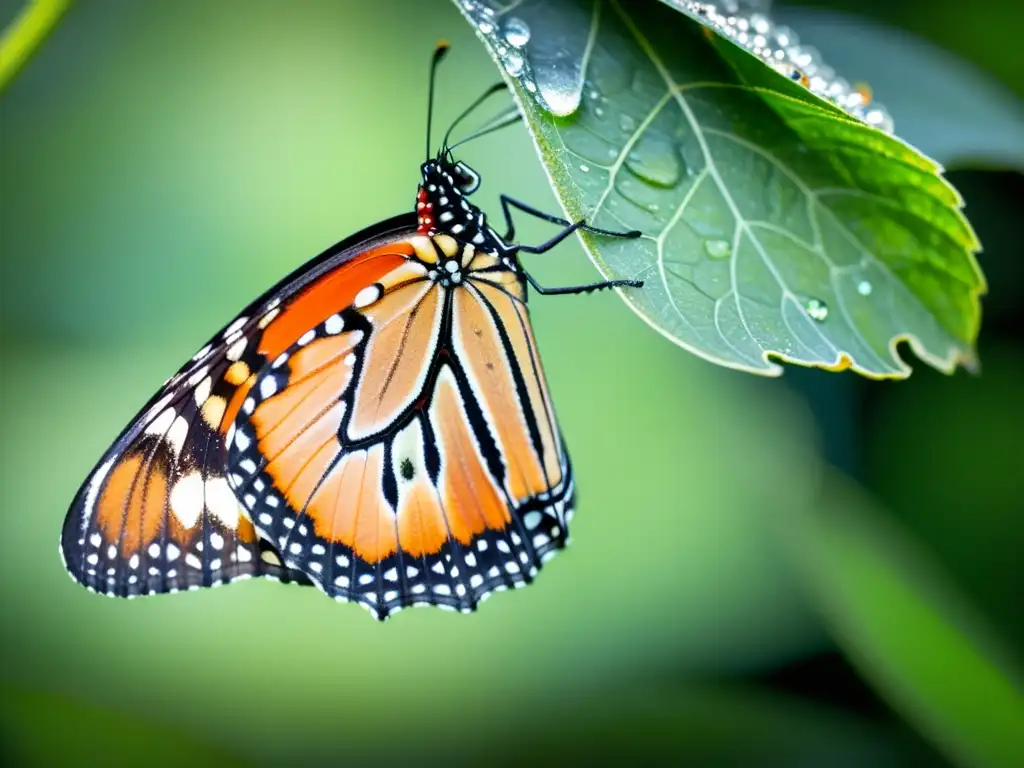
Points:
x=908 y=631
x=775 y=225
x=25 y=33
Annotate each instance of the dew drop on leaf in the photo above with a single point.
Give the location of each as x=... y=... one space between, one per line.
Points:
x=513 y=63
x=816 y=310
x=585 y=168
x=655 y=160
x=516 y=31
x=627 y=123
x=717 y=249
x=864 y=288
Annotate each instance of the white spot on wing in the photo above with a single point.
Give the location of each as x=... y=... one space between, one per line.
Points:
x=334 y=324
x=367 y=296
x=202 y=392
x=236 y=350
x=235 y=326
x=187 y=499
x=161 y=423
x=90 y=497
x=177 y=434
x=221 y=502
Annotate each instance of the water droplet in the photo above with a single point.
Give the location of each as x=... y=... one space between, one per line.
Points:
x=485 y=27
x=760 y=23
x=627 y=123
x=717 y=249
x=513 y=63
x=746 y=24
x=817 y=310
x=516 y=32
x=559 y=102
x=864 y=288
x=879 y=118
x=598 y=111
x=655 y=160
x=585 y=168
x=530 y=86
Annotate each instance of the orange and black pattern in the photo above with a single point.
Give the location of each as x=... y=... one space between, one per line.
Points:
x=404 y=450
x=376 y=425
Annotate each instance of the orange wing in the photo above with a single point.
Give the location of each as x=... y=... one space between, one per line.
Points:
x=158 y=513
x=403 y=450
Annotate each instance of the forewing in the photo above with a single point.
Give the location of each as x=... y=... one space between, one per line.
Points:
x=159 y=513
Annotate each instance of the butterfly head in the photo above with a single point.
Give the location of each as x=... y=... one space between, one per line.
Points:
x=441 y=204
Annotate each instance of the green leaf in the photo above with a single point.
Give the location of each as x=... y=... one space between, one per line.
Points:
x=948 y=107
x=908 y=631
x=776 y=226
x=25 y=33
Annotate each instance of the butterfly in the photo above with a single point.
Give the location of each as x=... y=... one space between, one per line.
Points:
x=376 y=425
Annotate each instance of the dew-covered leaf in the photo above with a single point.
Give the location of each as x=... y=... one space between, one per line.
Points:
x=776 y=225
x=947 y=107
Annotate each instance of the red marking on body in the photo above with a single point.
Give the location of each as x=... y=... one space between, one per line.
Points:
x=424 y=213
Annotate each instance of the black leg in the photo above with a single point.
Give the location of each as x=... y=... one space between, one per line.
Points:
x=582 y=288
x=507 y=201
x=569 y=229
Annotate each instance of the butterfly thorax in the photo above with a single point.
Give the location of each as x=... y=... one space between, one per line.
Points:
x=442 y=206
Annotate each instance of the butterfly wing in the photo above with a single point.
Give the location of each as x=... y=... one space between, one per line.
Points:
x=403 y=450
x=158 y=513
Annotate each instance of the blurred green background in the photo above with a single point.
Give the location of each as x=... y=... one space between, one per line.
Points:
x=163 y=162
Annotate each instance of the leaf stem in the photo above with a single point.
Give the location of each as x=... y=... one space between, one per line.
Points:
x=26 y=33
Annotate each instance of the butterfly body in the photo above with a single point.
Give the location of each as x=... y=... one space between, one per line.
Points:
x=377 y=425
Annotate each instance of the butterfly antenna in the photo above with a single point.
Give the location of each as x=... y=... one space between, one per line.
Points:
x=496 y=88
x=439 y=52
x=496 y=123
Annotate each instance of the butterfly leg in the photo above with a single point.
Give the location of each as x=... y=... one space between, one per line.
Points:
x=507 y=201
x=570 y=289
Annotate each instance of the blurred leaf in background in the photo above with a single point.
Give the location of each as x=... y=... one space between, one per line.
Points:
x=163 y=163
x=25 y=33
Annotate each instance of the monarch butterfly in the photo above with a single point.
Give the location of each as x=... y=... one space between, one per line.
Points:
x=377 y=425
